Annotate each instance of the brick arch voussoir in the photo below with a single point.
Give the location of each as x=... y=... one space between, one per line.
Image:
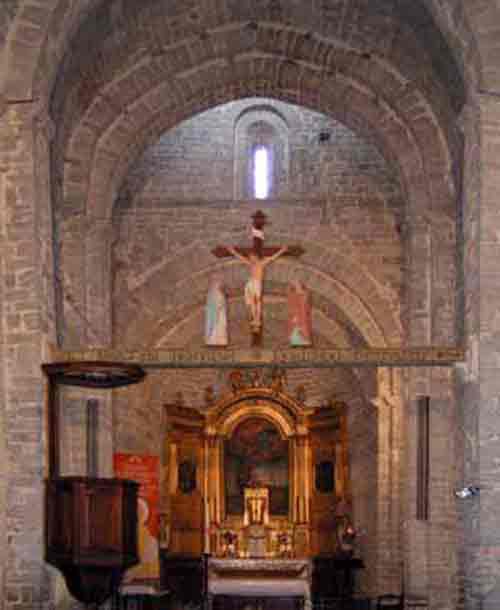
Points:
x=469 y=33
x=115 y=156
x=229 y=31
x=38 y=40
x=350 y=287
x=208 y=86
x=418 y=193
x=20 y=57
x=410 y=156
x=113 y=164
x=189 y=69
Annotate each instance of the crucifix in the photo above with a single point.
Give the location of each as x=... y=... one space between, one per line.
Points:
x=258 y=257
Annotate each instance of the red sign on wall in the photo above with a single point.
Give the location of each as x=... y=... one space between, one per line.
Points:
x=145 y=470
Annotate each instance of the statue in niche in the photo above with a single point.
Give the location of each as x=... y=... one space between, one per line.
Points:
x=216 y=334
x=325 y=476
x=299 y=315
x=187 y=476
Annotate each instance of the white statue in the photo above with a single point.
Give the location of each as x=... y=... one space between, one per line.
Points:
x=216 y=316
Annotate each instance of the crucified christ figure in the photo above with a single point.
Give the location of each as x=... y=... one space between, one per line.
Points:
x=258 y=257
x=253 y=287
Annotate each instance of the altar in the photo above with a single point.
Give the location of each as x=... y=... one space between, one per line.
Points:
x=257 y=488
x=257 y=578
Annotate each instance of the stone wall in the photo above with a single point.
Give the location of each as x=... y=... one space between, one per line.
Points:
x=199 y=159
x=23 y=576
x=487 y=591
x=177 y=202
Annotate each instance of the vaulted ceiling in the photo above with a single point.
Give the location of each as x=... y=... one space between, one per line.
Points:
x=119 y=73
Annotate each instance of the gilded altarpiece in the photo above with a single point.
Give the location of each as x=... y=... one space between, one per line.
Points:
x=256 y=474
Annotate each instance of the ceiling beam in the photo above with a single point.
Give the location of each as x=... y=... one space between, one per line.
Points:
x=255 y=357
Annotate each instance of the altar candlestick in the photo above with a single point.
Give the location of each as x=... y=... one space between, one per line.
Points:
x=205 y=501
x=207 y=528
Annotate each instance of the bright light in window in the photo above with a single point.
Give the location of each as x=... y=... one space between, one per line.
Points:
x=261 y=173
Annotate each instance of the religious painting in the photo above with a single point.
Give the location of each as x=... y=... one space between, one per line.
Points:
x=299 y=315
x=256 y=456
x=187 y=476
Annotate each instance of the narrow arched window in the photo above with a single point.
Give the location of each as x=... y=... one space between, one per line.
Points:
x=261 y=172
x=261 y=154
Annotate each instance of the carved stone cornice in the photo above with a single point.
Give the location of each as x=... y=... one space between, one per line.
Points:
x=285 y=358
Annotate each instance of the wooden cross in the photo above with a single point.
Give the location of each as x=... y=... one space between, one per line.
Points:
x=257 y=258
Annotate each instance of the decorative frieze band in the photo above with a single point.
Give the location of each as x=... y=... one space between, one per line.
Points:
x=253 y=357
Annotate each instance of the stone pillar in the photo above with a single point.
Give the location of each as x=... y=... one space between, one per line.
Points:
x=414 y=531
x=44 y=131
x=483 y=585
x=467 y=375
x=419 y=331
x=4 y=456
x=389 y=558
x=25 y=583
x=442 y=528
x=431 y=559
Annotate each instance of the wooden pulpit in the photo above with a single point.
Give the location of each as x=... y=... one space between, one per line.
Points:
x=91 y=533
x=91 y=522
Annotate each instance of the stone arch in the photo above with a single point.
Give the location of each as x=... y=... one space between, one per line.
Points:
x=301 y=80
x=399 y=135
x=53 y=24
x=109 y=165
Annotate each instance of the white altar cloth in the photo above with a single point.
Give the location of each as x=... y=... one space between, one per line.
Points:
x=269 y=587
x=260 y=577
